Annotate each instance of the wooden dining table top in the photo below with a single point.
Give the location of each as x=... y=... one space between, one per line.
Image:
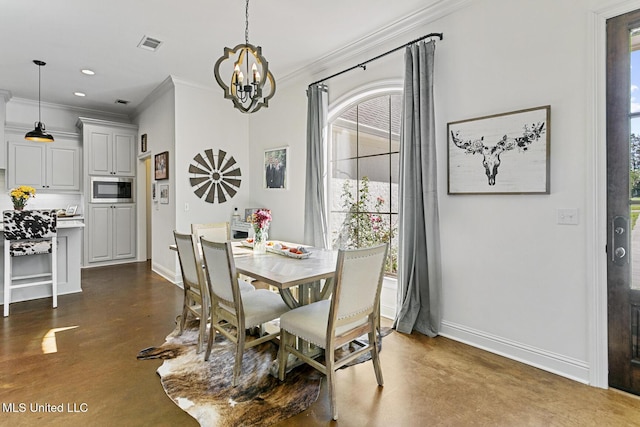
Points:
x=282 y=271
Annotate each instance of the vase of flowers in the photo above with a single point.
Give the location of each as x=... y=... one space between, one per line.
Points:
x=260 y=220
x=21 y=195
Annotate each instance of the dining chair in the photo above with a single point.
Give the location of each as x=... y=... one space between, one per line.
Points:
x=232 y=310
x=195 y=302
x=352 y=311
x=216 y=231
x=26 y=233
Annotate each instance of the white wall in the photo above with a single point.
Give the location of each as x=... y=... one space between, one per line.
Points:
x=514 y=281
x=185 y=120
x=157 y=120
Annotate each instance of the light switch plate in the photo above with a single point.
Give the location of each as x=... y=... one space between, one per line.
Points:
x=568 y=216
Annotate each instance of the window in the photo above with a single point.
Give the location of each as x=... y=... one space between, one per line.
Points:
x=364 y=164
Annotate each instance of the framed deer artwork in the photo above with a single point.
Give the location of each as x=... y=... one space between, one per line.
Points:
x=500 y=154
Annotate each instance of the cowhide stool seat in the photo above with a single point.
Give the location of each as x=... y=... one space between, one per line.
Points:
x=29 y=233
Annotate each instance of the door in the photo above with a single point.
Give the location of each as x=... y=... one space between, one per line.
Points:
x=124 y=234
x=63 y=168
x=623 y=200
x=100 y=239
x=26 y=165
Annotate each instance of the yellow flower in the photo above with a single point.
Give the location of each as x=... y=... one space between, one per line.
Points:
x=21 y=194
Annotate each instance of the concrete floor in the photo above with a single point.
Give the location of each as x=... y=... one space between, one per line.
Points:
x=123 y=309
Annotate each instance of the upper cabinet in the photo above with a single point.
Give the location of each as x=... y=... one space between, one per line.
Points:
x=44 y=166
x=109 y=147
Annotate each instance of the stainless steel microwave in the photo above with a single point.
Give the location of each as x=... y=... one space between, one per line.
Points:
x=109 y=189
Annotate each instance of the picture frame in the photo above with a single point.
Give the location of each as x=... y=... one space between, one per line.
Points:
x=143 y=143
x=161 y=162
x=505 y=153
x=275 y=168
x=154 y=193
x=71 y=210
x=164 y=193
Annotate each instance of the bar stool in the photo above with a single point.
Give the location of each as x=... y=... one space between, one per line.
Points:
x=29 y=233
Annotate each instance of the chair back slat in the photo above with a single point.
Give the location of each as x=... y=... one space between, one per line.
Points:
x=359 y=277
x=188 y=259
x=29 y=224
x=215 y=231
x=220 y=269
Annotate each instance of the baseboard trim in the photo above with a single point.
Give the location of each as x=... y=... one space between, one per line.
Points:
x=166 y=273
x=558 y=364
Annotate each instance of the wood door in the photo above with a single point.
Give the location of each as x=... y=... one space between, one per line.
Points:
x=623 y=200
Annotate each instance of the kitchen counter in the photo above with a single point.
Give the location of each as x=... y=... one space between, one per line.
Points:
x=69 y=263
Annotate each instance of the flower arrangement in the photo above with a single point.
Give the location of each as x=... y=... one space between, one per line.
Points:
x=260 y=220
x=21 y=195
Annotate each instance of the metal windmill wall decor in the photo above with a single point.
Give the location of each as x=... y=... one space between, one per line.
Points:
x=214 y=177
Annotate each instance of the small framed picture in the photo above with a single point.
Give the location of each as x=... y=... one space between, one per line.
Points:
x=275 y=167
x=164 y=194
x=154 y=193
x=71 y=210
x=162 y=166
x=143 y=143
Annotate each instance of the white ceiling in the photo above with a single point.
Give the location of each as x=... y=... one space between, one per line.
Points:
x=103 y=35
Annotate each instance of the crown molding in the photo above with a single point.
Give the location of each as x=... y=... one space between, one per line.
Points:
x=99 y=122
x=164 y=87
x=403 y=28
x=76 y=110
x=21 y=128
x=5 y=94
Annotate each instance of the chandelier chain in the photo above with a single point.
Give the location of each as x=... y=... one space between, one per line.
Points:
x=246 y=25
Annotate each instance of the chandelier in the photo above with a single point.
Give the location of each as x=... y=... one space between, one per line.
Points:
x=251 y=83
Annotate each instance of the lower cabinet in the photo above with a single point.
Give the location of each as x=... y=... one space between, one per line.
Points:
x=111 y=232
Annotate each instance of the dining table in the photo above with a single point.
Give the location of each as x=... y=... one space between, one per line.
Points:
x=312 y=275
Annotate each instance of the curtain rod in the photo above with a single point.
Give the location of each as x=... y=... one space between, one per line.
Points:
x=363 y=65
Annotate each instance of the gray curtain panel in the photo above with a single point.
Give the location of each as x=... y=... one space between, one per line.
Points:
x=315 y=219
x=419 y=271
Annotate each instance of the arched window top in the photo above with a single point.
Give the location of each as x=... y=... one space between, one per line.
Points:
x=363 y=93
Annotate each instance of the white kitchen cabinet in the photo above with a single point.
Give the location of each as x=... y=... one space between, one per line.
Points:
x=43 y=166
x=111 y=152
x=110 y=232
x=110 y=147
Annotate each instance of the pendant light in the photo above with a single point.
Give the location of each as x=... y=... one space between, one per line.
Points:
x=251 y=83
x=39 y=134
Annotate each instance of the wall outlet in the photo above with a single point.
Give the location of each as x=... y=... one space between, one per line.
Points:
x=568 y=216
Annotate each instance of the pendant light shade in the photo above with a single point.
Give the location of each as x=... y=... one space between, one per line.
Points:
x=39 y=134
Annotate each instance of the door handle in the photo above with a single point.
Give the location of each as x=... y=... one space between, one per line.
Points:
x=620 y=240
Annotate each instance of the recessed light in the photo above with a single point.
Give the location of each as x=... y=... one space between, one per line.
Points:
x=79 y=94
x=88 y=72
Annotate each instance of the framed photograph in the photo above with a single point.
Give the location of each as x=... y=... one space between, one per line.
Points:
x=154 y=193
x=143 y=143
x=162 y=166
x=500 y=154
x=164 y=193
x=71 y=210
x=275 y=168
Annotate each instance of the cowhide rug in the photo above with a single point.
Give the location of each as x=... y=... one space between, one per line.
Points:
x=204 y=391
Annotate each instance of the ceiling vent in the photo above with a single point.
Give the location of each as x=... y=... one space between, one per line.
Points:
x=121 y=101
x=149 y=43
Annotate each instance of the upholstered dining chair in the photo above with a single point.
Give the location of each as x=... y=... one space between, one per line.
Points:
x=233 y=312
x=195 y=302
x=29 y=232
x=352 y=311
x=216 y=231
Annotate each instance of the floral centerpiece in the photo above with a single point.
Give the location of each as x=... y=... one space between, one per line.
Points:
x=260 y=220
x=21 y=195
